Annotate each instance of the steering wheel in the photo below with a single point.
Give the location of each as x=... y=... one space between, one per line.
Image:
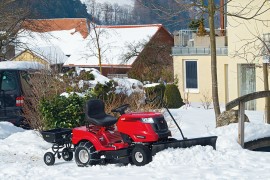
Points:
x=121 y=109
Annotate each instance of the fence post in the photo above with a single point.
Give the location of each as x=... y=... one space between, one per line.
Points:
x=241 y=124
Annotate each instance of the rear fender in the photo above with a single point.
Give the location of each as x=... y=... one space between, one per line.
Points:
x=80 y=136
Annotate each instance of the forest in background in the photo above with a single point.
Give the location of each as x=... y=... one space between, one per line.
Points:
x=172 y=15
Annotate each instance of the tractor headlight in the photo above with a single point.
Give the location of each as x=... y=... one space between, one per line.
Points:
x=147 y=120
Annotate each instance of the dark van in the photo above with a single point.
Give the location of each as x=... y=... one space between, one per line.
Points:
x=14 y=76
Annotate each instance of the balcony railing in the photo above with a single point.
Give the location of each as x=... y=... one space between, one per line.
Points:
x=181 y=51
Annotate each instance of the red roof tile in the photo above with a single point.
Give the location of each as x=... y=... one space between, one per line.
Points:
x=47 y=25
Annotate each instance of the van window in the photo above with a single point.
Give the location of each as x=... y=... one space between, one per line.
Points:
x=8 y=81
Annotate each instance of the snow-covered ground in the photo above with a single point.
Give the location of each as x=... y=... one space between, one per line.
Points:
x=21 y=154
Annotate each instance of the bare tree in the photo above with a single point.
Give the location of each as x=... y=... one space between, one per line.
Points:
x=153 y=61
x=95 y=39
x=11 y=18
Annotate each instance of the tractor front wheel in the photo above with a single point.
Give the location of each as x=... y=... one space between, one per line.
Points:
x=86 y=154
x=141 y=155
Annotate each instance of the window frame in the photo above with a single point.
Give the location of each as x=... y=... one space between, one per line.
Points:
x=190 y=90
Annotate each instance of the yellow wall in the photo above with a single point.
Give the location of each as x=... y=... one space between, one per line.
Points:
x=204 y=77
x=238 y=32
x=28 y=56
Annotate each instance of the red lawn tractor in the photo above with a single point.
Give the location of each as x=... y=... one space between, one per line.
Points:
x=132 y=138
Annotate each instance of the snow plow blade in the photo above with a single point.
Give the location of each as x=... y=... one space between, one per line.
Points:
x=186 y=143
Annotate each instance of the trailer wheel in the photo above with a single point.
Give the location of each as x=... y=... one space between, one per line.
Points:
x=86 y=154
x=49 y=158
x=67 y=154
x=141 y=155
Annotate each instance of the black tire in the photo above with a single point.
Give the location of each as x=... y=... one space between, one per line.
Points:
x=67 y=154
x=141 y=155
x=49 y=158
x=86 y=154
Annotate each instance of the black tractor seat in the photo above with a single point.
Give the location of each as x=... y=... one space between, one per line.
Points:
x=96 y=115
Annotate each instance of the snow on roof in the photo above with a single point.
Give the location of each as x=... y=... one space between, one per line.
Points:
x=53 y=54
x=54 y=45
x=114 y=42
x=21 y=65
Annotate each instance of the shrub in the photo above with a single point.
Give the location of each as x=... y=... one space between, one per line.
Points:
x=86 y=76
x=64 y=112
x=172 y=96
x=152 y=92
x=103 y=91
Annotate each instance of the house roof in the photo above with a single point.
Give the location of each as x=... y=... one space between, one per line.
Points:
x=51 y=54
x=80 y=25
x=115 y=42
x=63 y=42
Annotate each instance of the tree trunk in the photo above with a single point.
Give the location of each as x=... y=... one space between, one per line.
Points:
x=99 y=59
x=211 y=9
x=266 y=88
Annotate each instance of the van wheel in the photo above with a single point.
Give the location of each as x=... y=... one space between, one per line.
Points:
x=141 y=155
x=86 y=154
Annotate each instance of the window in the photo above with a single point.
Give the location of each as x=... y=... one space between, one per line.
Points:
x=191 y=76
x=8 y=81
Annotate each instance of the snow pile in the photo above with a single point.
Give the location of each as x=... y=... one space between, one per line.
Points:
x=128 y=86
x=6 y=129
x=124 y=85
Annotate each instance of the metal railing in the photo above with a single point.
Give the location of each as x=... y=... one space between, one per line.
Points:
x=180 y=51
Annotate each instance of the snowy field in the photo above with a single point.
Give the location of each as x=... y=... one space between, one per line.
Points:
x=21 y=154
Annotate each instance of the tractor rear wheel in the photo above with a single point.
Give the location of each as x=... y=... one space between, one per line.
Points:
x=86 y=154
x=141 y=155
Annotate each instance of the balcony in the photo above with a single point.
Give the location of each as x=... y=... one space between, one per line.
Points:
x=189 y=51
x=187 y=43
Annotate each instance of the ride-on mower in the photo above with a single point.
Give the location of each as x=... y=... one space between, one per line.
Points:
x=132 y=138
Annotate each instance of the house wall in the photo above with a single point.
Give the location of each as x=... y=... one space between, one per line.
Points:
x=204 y=77
x=239 y=32
x=28 y=56
x=204 y=41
